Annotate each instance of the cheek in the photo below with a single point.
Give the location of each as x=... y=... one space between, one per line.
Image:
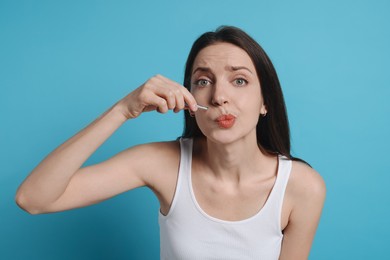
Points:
x=200 y=94
x=252 y=102
x=251 y=116
x=202 y=123
x=259 y=103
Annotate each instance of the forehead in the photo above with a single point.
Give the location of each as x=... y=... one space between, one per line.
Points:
x=223 y=54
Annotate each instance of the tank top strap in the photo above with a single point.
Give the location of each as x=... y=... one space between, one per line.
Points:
x=275 y=201
x=182 y=191
x=185 y=158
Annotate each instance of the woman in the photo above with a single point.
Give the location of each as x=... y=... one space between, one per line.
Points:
x=228 y=189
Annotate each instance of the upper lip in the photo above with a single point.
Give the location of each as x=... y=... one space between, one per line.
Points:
x=225 y=117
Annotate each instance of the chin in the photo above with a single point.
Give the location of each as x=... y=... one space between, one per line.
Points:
x=223 y=137
x=228 y=136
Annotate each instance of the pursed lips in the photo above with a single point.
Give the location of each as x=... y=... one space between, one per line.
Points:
x=226 y=121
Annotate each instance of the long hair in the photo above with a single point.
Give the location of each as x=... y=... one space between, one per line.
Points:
x=273 y=133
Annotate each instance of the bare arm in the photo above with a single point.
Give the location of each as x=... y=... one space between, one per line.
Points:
x=307 y=190
x=58 y=182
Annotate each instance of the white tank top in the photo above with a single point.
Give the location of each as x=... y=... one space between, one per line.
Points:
x=187 y=232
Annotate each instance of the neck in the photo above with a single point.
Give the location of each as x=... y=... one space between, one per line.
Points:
x=233 y=161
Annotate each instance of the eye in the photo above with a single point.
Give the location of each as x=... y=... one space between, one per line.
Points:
x=202 y=83
x=240 y=82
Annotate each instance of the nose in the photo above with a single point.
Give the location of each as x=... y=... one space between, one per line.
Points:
x=219 y=96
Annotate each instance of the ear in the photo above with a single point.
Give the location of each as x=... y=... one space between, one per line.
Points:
x=263 y=110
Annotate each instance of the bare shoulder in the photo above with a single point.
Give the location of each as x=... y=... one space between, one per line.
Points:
x=306 y=183
x=155 y=156
x=305 y=194
x=158 y=167
x=156 y=162
x=157 y=150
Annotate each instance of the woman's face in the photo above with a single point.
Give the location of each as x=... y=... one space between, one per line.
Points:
x=225 y=79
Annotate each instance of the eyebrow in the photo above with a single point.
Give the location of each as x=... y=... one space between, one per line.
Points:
x=231 y=68
x=235 y=68
x=202 y=69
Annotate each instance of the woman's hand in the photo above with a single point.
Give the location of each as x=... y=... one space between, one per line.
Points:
x=158 y=93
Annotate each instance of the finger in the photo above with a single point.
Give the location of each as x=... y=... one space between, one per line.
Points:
x=190 y=100
x=167 y=93
x=174 y=91
x=157 y=103
x=172 y=95
x=180 y=104
x=171 y=91
x=184 y=95
x=158 y=86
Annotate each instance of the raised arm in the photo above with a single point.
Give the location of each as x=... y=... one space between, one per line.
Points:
x=59 y=183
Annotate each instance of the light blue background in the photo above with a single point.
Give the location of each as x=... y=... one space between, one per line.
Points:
x=63 y=63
